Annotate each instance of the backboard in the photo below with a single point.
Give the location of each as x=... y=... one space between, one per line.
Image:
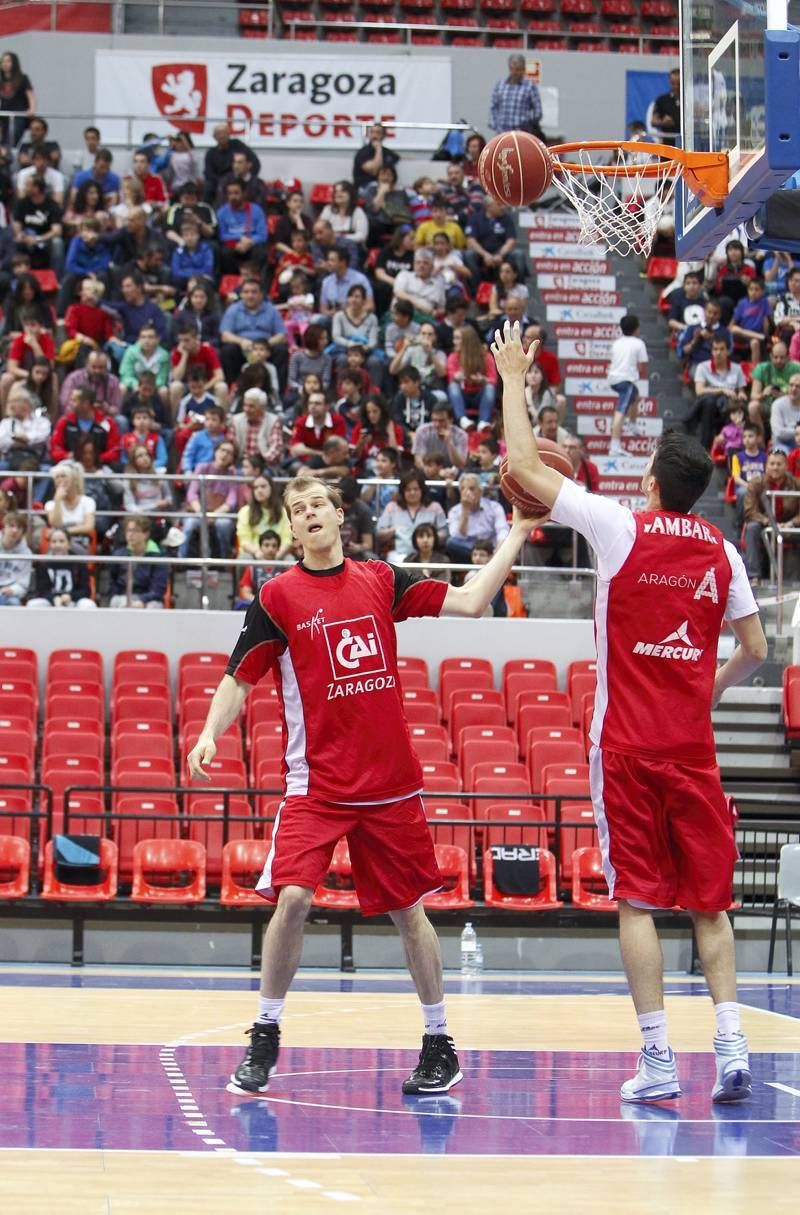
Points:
x=740 y=94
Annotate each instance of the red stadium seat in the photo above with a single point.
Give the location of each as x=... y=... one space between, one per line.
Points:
x=440 y=813
x=475 y=713
x=421 y=714
x=437 y=732
x=580 y=685
x=242 y=863
x=61 y=772
x=337 y=890
x=540 y=754
x=141 y=729
x=19 y=685
x=66 y=703
x=420 y=696
x=485 y=733
x=547 y=898
x=486 y=769
x=15 y=864
x=15 y=768
x=531 y=666
x=581 y=666
x=321 y=193
x=141 y=708
x=791 y=701
x=452 y=682
x=18 y=742
x=67 y=723
x=15 y=812
x=87 y=663
x=17 y=660
x=404 y=663
x=65 y=892
x=577 y=837
x=517 y=823
x=497 y=785
x=149 y=664
x=544 y=709
x=161 y=868
x=454 y=865
x=589 y=888
x=518 y=684
x=484 y=750
x=440 y=778
x=560 y=734
x=128 y=831
x=211 y=832
x=466 y=664
x=214 y=660
x=129 y=746
x=413 y=679
x=18 y=706
x=431 y=750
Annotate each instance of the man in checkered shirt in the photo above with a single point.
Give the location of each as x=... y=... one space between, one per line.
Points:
x=516 y=105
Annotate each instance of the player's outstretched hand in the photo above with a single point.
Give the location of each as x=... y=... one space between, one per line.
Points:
x=511 y=358
x=521 y=523
x=201 y=753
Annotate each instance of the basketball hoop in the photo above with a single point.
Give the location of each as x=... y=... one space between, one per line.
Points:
x=621 y=189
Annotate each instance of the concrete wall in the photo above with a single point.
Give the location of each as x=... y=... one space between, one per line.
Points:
x=591 y=86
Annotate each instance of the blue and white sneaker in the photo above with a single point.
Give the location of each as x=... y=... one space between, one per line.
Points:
x=656 y=1078
x=734 y=1081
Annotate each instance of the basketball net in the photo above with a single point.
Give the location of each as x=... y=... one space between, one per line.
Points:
x=621 y=190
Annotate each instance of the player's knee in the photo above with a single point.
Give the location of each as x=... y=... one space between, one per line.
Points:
x=294 y=902
x=410 y=920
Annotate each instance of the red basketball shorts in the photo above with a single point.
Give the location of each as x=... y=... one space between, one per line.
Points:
x=665 y=830
x=391 y=850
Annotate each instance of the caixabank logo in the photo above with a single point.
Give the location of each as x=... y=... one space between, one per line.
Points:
x=180 y=90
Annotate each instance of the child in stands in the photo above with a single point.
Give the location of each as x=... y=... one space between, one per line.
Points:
x=260 y=571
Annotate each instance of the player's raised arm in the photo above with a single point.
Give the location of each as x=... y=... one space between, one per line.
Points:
x=524 y=463
x=474 y=597
x=226 y=705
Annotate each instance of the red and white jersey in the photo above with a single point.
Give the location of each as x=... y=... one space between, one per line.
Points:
x=328 y=637
x=665 y=584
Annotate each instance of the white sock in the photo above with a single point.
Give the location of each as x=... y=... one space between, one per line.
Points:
x=654 y=1031
x=435 y=1018
x=727 y=1015
x=270 y=1010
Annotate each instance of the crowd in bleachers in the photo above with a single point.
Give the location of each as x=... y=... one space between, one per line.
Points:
x=167 y=313
x=734 y=322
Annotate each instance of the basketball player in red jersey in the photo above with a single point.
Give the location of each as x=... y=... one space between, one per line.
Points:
x=666 y=581
x=325 y=630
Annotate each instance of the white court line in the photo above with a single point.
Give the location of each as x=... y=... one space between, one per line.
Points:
x=785 y=1088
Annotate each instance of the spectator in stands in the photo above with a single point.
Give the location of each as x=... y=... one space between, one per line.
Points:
x=22 y=432
x=149 y=263
x=751 y=323
x=256 y=429
x=484 y=462
x=548 y=427
x=770 y=380
x=219 y=498
x=455 y=317
x=131 y=204
x=458 y=198
x=392 y=258
x=336 y=284
x=627 y=365
x=242 y=231
x=333 y=461
x=413 y=403
x=312 y=429
x=694 y=344
x=448 y=264
x=441 y=437
x=372 y=157
x=86 y=323
x=749 y=461
x=475 y=517
x=473 y=148
x=36 y=142
x=264 y=510
x=729 y=440
x=37 y=227
x=153 y=188
x=88 y=254
x=17 y=97
x=135 y=311
x=508 y=284
x=149 y=580
x=100 y=172
x=143 y=434
x=687 y=303
x=399 y=518
x=41 y=385
x=351 y=398
x=180 y=165
x=586 y=472
x=440 y=221
x=425 y=551
x=419 y=287
x=105 y=491
x=192 y=257
x=241 y=172
x=40 y=165
x=311 y=358
x=204 y=441
x=387 y=204
x=374 y=431
x=249 y=318
x=538 y=393
x=776 y=267
x=785 y=416
x=471 y=380
x=666 y=113
x=146 y=354
x=292 y=220
x=324 y=239
x=357 y=325
x=219 y=159
x=84 y=418
x=490 y=239
x=15 y=575
x=348 y=219
x=756 y=518
x=189 y=207
x=71 y=508
x=34 y=342
x=104 y=385
x=143 y=493
x=61 y=583
x=190 y=351
x=387 y=469
x=199 y=305
x=298 y=309
x=401 y=329
x=358 y=528
x=786 y=314
x=733 y=275
x=262 y=570
x=26 y=296
x=516 y=104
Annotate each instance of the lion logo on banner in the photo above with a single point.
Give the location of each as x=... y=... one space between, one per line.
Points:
x=180 y=91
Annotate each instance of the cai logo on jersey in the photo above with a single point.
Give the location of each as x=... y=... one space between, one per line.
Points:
x=677 y=645
x=354 y=648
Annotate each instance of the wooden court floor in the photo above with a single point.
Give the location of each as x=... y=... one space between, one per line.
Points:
x=114 y=1099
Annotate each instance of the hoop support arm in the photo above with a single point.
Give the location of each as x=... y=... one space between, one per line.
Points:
x=705 y=173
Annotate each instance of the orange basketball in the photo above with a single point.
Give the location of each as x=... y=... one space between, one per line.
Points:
x=515 y=168
x=554 y=456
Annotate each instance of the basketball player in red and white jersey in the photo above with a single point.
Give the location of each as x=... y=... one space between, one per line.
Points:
x=666 y=581
x=325 y=630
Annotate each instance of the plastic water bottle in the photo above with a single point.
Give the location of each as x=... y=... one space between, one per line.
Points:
x=471 y=952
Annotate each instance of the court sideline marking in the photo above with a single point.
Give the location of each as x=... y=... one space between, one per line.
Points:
x=198 y=1123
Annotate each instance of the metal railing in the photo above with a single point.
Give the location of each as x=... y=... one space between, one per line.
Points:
x=776 y=533
x=162 y=11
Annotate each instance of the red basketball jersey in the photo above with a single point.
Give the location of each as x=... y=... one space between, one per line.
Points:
x=665 y=583
x=328 y=637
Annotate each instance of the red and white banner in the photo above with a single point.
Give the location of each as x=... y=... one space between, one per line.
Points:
x=633 y=445
x=588 y=349
x=587 y=386
x=600 y=424
x=582 y=330
x=584 y=369
x=602 y=299
x=561 y=265
x=560 y=248
x=647 y=407
x=576 y=282
x=274 y=101
x=596 y=315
